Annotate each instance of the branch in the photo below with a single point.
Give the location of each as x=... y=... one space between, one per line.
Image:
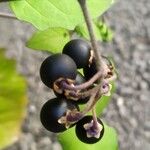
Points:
x=88 y=21
x=82 y=86
x=7 y=15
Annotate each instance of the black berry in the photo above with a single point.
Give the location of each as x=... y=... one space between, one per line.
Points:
x=52 y=111
x=79 y=51
x=90 y=70
x=57 y=66
x=81 y=132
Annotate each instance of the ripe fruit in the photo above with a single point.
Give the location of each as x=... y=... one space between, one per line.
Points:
x=81 y=132
x=57 y=66
x=90 y=70
x=79 y=51
x=52 y=111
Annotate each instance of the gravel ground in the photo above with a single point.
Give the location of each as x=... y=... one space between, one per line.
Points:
x=129 y=109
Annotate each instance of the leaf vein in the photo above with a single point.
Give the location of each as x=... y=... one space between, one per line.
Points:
x=36 y=10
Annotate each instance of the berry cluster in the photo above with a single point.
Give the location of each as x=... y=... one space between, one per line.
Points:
x=60 y=73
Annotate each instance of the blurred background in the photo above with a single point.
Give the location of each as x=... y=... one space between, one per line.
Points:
x=129 y=109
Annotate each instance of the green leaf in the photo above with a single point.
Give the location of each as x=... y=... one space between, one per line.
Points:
x=82 y=31
x=52 y=39
x=12 y=101
x=102 y=32
x=104 y=101
x=56 y=13
x=69 y=141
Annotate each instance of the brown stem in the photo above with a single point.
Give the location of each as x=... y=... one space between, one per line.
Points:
x=6 y=15
x=87 y=93
x=92 y=101
x=83 y=94
x=95 y=122
x=88 y=21
x=96 y=95
x=76 y=116
x=83 y=85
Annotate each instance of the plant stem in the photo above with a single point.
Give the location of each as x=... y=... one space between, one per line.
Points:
x=82 y=86
x=82 y=94
x=7 y=15
x=95 y=122
x=88 y=21
x=91 y=103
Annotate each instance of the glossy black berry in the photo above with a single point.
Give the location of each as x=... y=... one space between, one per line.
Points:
x=90 y=70
x=52 y=111
x=81 y=132
x=79 y=51
x=57 y=66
